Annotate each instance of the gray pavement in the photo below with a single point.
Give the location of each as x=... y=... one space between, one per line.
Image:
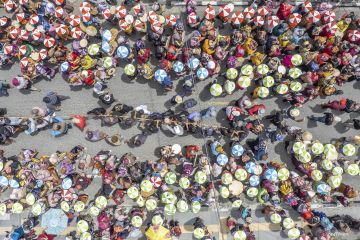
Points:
x=138 y=92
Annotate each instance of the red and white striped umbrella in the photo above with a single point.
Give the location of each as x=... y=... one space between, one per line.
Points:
x=36 y=34
x=308 y=6
x=313 y=16
x=328 y=16
x=67 y=195
x=152 y=17
x=86 y=17
x=3 y=21
x=137 y=9
x=74 y=20
x=59 y=12
x=330 y=28
x=120 y=11
x=123 y=24
x=34 y=19
x=9 y=5
x=14 y=32
x=61 y=29
x=156 y=26
x=237 y=18
x=8 y=48
x=43 y=53
x=171 y=20
x=294 y=18
x=209 y=13
x=106 y=14
x=156 y=181
x=225 y=10
x=22 y=49
x=353 y=36
x=59 y=2
x=49 y=42
x=263 y=11
x=259 y=21
x=24 y=62
x=23 y=2
x=138 y=25
x=191 y=18
x=249 y=12
x=23 y=35
x=85 y=7
x=273 y=21
x=20 y=17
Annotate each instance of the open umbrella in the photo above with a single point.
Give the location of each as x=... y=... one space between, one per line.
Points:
x=129 y=69
x=252 y=192
x=328 y=16
x=151 y=204
x=34 y=19
x=237 y=150
x=216 y=90
x=182 y=206
x=352 y=169
x=107 y=62
x=184 y=182
x=17 y=208
x=226 y=178
x=79 y=206
x=120 y=11
x=240 y=235
x=334 y=181
x=295 y=72
x=74 y=20
x=224 y=192
x=229 y=86
x=268 y=81
x=85 y=7
x=4 y=181
x=140 y=201
x=288 y=223
x=353 y=36
x=282 y=88
x=299 y=147
x=132 y=192
x=170 y=209
x=199 y=233
x=316 y=175
x=156 y=181
x=294 y=19
x=170 y=178
x=193 y=63
x=271 y=174
x=222 y=159
x=64 y=206
x=262 y=92
x=304 y=157
x=225 y=10
x=14 y=183
x=231 y=73
x=295 y=86
x=122 y=51
x=337 y=171
x=209 y=13
x=101 y=202
x=76 y=33
x=237 y=18
x=106 y=13
x=275 y=218
x=49 y=42
x=158 y=232
x=200 y=177
x=54 y=221
x=85 y=236
x=254 y=180
x=195 y=206
x=82 y=226
x=146 y=186
x=272 y=21
x=263 y=10
x=296 y=59
x=293 y=233
x=30 y=199
x=327 y=164
x=168 y=197
x=94 y=211
x=241 y=174
x=171 y=20
x=178 y=67
x=244 y=82
x=93 y=49
x=259 y=21
x=37 y=209
x=313 y=16
x=136 y=221
x=249 y=12
x=250 y=167
x=157 y=220
x=348 y=150
x=202 y=73
x=247 y=69
x=323 y=188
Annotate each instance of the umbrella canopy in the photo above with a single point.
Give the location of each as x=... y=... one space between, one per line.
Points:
x=182 y=206
x=82 y=226
x=156 y=181
x=171 y=20
x=337 y=171
x=49 y=42
x=271 y=174
x=184 y=182
x=283 y=174
x=288 y=223
x=224 y=192
x=316 y=175
x=259 y=21
x=231 y=73
x=313 y=16
x=262 y=92
x=254 y=180
x=304 y=157
x=170 y=209
x=101 y=202
x=323 y=188
x=252 y=192
x=93 y=49
x=240 y=235
x=94 y=211
x=129 y=69
x=146 y=186
x=275 y=218
x=216 y=90
x=74 y=20
x=272 y=21
x=225 y=10
x=168 y=197
x=282 y=88
x=299 y=147
x=328 y=16
x=54 y=221
x=209 y=13
x=293 y=233
x=327 y=164
x=241 y=174
x=250 y=167
x=295 y=86
x=76 y=33
x=237 y=18
x=349 y=150
x=268 y=81
x=157 y=220
x=334 y=181
x=140 y=201
x=158 y=232
x=195 y=206
x=85 y=7
x=352 y=169
x=170 y=178
x=64 y=206
x=79 y=206
x=294 y=19
x=178 y=67
x=106 y=13
x=236 y=204
x=199 y=233
x=192 y=18
x=132 y=192
x=136 y=221
x=222 y=159
x=120 y=11
x=4 y=181
x=193 y=63
x=30 y=199
x=202 y=73
x=226 y=178
x=296 y=59
x=263 y=11
x=107 y=62
x=200 y=177
x=36 y=209
x=247 y=69
x=244 y=81
x=151 y=204
x=353 y=36
x=237 y=150
x=295 y=72
x=229 y=86
x=249 y=12
x=122 y=51
x=17 y=208
x=85 y=236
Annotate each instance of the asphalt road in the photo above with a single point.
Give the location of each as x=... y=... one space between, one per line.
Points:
x=139 y=92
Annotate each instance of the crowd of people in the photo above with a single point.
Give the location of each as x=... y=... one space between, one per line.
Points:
x=295 y=53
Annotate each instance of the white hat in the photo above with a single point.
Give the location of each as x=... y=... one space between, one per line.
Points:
x=337 y=119
x=261 y=111
x=211 y=64
x=178 y=130
x=247 y=103
x=294 y=112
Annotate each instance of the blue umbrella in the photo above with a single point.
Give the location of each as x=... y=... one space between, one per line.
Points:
x=222 y=159
x=122 y=52
x=178 y=67
x=160 y=75
x=323 y=188
x=271 y=174
x=4 y=181
x=54 y=221
x=202 y=73
x=237 y=150
x=105 y=46
x=213 y=147
x=106 y=35
x=65 y=66
x=13 y=183
x=193 y=63
x=250 y=167
x=254 y=180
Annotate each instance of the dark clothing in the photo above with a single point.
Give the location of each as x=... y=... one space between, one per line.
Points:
x=327 y=119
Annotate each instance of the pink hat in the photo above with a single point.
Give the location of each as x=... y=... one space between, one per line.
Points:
x=15 y=82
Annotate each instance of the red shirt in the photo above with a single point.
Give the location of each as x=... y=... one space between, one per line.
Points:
x=255 y=109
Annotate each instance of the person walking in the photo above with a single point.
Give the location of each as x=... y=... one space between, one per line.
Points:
x=53 y=100
x=328 y=118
